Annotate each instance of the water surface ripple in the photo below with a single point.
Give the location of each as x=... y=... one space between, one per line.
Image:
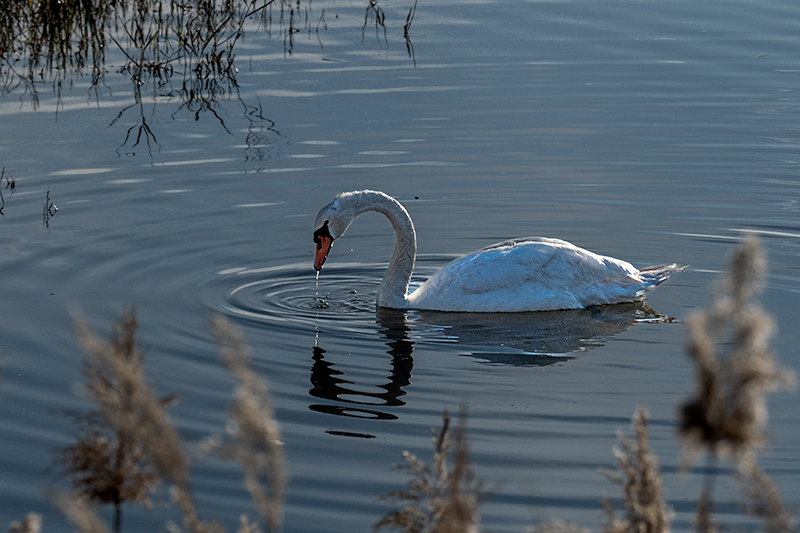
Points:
x=654 y=132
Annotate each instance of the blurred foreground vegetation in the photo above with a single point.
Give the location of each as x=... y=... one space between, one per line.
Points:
x=128 y=448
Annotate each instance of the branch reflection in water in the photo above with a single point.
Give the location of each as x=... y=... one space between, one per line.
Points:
x=520 y=339
x=197 y=42
x=175 y=50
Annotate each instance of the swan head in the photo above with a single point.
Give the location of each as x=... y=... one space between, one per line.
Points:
x=331 y=223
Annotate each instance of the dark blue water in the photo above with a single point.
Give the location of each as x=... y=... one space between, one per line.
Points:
x=653 y=132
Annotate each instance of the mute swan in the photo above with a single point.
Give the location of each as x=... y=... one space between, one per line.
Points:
x=530 y=274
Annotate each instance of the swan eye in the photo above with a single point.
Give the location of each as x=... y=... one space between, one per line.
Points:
x=322 y=232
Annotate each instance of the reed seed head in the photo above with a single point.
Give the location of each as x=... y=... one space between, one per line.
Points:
x=32 y=523
x=764 y=500
x=80 y=512
x=439 y=499
x=639 y=475
x=130 y=444
x=735 y=368
x=255 y=439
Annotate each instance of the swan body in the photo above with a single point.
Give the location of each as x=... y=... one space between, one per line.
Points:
x=530 y=274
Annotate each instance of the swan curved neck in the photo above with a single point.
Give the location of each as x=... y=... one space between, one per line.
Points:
x=393 y=288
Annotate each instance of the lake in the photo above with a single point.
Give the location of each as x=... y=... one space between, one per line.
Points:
x=655 y=132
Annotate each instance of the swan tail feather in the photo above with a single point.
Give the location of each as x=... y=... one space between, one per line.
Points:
x=657 y=274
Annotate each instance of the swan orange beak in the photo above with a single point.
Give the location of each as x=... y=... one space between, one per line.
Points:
x=323 y=247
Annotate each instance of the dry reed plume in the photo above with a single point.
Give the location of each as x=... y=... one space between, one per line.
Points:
x=80 y=511
x=764 y=501
x=32 y=523
x=639 y=476
x=735 y=368
x=558 y=526
x=729 y=345
x=442 y=499
x=131 y=447
x=726 y=418
x=255 y=436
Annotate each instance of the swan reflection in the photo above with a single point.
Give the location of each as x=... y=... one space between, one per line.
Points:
x=521 y=339
x=537 y=338
x=330 y=383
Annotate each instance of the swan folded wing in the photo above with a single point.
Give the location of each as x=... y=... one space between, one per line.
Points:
x=529 y=275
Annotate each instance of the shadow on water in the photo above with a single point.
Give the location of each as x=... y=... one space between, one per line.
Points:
x=520 y=339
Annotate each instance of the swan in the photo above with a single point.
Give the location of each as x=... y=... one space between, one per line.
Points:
x=529 y=274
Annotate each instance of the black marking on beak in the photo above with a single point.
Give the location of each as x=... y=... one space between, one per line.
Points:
x=322 y=232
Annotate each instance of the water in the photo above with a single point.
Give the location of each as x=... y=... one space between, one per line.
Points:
x=653 y=132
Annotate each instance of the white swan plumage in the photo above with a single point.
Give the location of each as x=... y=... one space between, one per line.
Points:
x=530 y=274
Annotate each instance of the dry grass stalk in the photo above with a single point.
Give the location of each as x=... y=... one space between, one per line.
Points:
x=735 y=368
x=558 y=526
x=703 y=518
x=182 y=496
x=764 y=500
x=131 y=444
x=110 y=463
x=440 y=500
x=639 y=476
x=32 y=523
x=80 y=511
x=245 y=526
x=255 y=435
x=729 y=412
x=611 y=524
